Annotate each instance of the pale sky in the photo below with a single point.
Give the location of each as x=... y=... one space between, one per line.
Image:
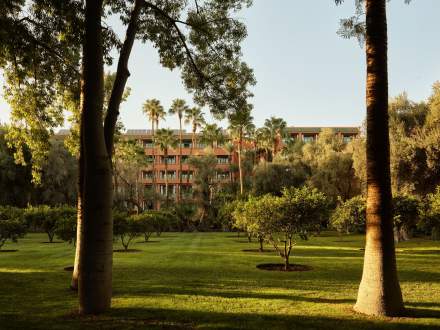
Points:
x=305 y=72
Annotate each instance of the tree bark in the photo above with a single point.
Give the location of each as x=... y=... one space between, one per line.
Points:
x=80 y=187
x=379 y=290
x=95 y=261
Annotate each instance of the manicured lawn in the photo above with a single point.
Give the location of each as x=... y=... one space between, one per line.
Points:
x=205 y=281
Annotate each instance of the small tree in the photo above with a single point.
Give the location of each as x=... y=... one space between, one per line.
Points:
x=144 y=223
x=350 y=215
x=243 y=217
x=43 y=218
x=11 y=225
x=430 y=219
x=406 y=215
x=66 y=224
x=280 y=219
x=126 y=228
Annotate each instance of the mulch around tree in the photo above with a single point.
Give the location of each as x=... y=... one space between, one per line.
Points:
x=258 y=250
x=127 y=251
x=8 y=250
x=280 y=267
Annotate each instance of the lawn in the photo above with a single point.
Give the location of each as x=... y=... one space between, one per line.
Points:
x=206 y=281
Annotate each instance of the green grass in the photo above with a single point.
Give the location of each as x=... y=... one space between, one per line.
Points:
x=205 y=281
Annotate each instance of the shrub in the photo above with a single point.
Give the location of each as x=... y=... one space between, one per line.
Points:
x=405 y=216
x=350 y=216
x=126 y=228
x=280 y=219
x=242 y=219
x=43 y=218
x=11 y=224
x=430 y=217
x=66 y=224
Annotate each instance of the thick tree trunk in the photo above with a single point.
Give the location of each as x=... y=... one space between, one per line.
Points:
x=95 y=261
x=80 y=185
x=379 y=290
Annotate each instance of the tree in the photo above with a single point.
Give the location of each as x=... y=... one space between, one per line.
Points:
x=195 y=118
x=179 y=108
x=242 y=221
x=212 y=135
x=379 y=290
x=216 y=75
x=129 y=159
x=405 y=216
x=66 y=224
x=349 y=216
x=204 y=185
x=165 y=140
x=280 y=219
x=430 y=215
x=240 y=125
x=126 y=227
x=11 y=224
x=44 y=218
x=275 y=131
x=273 y=177
x=155 y=112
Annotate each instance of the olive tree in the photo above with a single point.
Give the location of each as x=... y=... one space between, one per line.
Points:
x=430 y=217
x=43 y=218
x=281 y=219
x=405 y=216
x=126 y=228
x=242 y=217
x=11 y=225
x=349 y=216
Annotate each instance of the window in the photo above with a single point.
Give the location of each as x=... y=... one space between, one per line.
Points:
x=187 y=175
x=186 y=144
x=147 y=175
x=223 y=175
x=308 y=139
x=149 y=159
x=222 y=159
x=171 y=175
x=347 y=138
x=148 y=143
x=184 y=159
x=171 y=189
x=201 y=145
x=170 y=159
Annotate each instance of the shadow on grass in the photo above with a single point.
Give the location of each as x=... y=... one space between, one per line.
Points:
x=189 y=319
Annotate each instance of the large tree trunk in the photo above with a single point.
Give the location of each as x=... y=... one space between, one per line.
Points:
x=379 y=291
x=80 y=187
x=95 y=261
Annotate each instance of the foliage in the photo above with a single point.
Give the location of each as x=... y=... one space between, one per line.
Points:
x=212 y=135
x=279 y=219
x=129 y=158
x=350 y=215
x=12 y=226
x=430 y=217
x=66 y=224
x=406 y=210
x=44 y=218
x=271 y=178
x=126 y=227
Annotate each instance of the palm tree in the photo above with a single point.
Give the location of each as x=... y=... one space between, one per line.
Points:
x=379 y=290
x=212 y=135
x=165 y=140
x=179 y=108
x=262 y=140
x=154 y=111
x=195 y=118
x=240 y=124
x=275 y=129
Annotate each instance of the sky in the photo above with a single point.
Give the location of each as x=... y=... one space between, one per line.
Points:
x=305 y=72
